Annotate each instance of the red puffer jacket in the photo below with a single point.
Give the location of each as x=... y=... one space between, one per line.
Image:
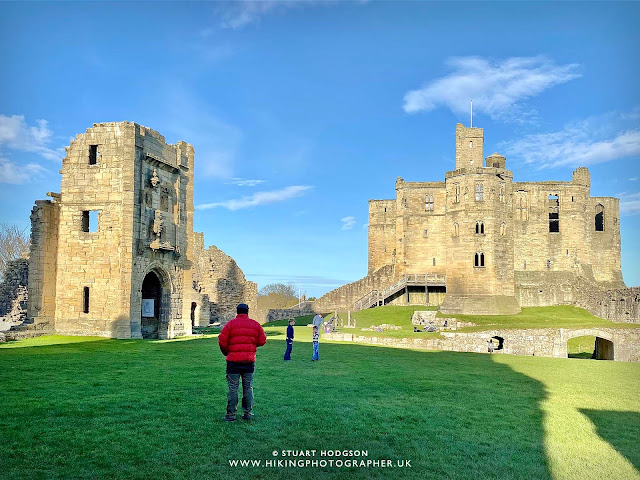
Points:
x=240 y=337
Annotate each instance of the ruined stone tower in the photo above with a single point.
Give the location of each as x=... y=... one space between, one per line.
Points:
x=111 y=254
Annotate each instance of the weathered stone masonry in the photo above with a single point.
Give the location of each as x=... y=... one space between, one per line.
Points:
x=114 y=253
x=500 y=244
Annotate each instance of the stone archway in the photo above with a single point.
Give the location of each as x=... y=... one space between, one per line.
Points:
x=152 y=293
x=603 y=348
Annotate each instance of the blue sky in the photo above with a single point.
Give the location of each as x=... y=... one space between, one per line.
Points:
x=300 y=112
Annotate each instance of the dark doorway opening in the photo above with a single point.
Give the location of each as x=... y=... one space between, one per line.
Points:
x=500 y=340
x=193 y=314
x=151 y=298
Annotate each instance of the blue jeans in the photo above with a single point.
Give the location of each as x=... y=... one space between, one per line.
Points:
x=315 y=351
x=233 y=380
x=287 y=353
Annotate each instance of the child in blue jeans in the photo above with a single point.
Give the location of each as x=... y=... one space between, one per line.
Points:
x=316 y=341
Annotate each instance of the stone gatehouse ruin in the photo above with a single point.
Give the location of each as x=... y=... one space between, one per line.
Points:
x=481 y=243
x=114 y=253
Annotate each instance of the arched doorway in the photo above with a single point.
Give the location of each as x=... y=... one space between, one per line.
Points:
x=151 y=305
x=194 y=305
x=500 y=344
x=590 y=347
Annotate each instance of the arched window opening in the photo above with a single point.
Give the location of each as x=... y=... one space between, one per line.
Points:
x=456 y=230
x=479 y=227
x=478 y=259
x=479 y=192
x=503 y=229
x=429 y=203
x=599 y=218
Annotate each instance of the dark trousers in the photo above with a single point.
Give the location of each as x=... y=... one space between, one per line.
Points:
x=233 y=380
x=236 y=371
x=287 y=353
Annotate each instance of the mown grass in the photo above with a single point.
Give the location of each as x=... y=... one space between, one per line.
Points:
x=561 y=316
x=90 y=408
x=391 y=315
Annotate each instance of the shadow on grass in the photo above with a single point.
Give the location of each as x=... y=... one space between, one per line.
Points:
x=620 y=429
x=454 y=415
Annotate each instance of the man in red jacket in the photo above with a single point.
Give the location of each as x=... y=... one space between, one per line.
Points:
x=238 y=341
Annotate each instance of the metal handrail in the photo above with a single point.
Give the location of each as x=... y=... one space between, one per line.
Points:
x=368 y=299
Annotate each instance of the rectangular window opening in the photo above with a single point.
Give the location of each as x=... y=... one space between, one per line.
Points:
x=434 y=262
x=93 y=154
x=426 y=233
x=85 y=300
x=554 y=214
x=90 y=221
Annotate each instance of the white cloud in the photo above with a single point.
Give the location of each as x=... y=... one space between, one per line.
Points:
x=497 y=88
x=594 y=140
x=19 y=174
x=629 y=203
x=215 y=141
x=259 y=198
x=633 y=179
x=240 y=182
x=348 y=223
x=239 y=14
x=17 y=135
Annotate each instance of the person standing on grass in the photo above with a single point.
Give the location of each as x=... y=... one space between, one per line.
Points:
x=318 y=321
x=238 y=341
x=316 y=343
x=287 y=353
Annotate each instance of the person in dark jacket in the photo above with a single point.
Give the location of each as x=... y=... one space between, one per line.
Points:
x=287 y=353
x=238 y=341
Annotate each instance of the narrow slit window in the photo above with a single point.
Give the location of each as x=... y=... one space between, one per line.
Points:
x=434 y=262
x=93 y=154
x=85 y=299
x=599 y=220
x=426 y=233
x=554 y=214
x=456 y=230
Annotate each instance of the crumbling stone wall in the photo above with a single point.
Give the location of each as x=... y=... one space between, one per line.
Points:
x=13 y=293
x=221 y=283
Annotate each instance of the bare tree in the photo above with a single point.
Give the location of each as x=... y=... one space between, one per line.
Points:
x=277 y=295
x=13 y=244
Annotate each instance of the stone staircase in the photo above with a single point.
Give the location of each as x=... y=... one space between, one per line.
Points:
x=377 y=298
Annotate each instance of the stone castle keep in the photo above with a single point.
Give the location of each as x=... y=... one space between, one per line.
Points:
x=114 y=253
x=481 y=243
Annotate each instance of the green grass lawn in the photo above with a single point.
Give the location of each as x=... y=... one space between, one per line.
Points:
x=561 y=316
x=101 y=408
